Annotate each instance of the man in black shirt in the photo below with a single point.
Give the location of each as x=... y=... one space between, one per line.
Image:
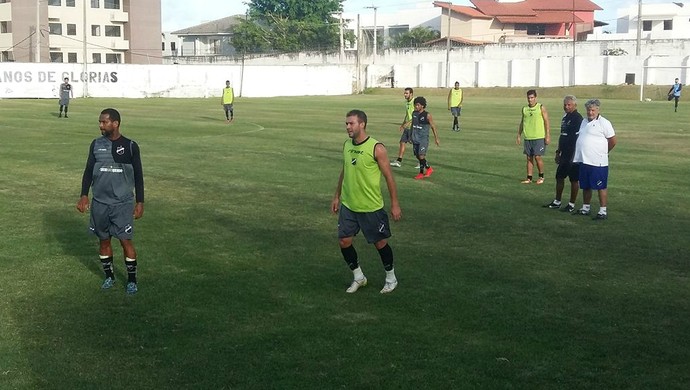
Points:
x=570 y=128
x=113 y=170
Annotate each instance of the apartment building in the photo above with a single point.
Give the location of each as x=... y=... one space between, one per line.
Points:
x=78 y=31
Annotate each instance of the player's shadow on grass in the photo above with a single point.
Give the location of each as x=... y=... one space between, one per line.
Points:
x=69 y=230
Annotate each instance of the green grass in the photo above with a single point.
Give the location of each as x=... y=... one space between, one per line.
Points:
x=242 y=283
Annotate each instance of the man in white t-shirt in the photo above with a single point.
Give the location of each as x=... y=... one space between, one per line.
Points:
x=594 y=143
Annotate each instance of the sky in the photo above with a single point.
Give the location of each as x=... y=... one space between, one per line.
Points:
x=177 y=14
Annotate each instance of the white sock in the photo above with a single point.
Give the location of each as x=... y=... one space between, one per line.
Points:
x=359 y=275
x=390 y=276
x=602 y=210
x=585 y=207
x=557 y=202
x=571 y=204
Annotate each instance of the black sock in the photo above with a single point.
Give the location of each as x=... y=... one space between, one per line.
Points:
x=541 y=175
x=399 y=159
x=529 y=177
x=131 y=269
x=386 y=254
x=107 y=264
x=422 y=165
x=455 y=121
x=350 y=256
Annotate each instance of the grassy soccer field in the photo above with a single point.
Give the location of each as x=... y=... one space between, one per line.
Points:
x=242 y=284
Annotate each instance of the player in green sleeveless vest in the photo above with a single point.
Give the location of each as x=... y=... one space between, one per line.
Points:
x=227 y=99
x=534 y=123
x=359 y=203
x=405 y=127
x=455 y=105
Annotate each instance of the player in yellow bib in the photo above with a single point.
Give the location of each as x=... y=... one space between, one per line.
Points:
x=227 y=100
x=455 y=105
x=535 y=126
x=359 y=202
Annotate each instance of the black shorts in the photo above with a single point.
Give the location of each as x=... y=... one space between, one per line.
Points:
x=569 y=170
x=374 y=225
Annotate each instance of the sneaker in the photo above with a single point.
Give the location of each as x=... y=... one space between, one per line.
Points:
x=568 y=209
x=60 y=116
x=429 y=171
x=540 y=180
x=356 y=284
x=600 y=217
x=552 y=205
x=131 y=288
x=582 y=212
x=395 y=163
x=107 y=283
x=526 y=181
x=419 y=176
x=389 y=286
x=66 y=116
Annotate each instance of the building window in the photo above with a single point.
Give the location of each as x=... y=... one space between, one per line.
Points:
x=55 y=57
x=111 y=4
x=163 y=46
x=95 y=4
x=69 y=3
x=55 y=29
x=71 y=29
x=646 y=25
x=112 y=31
x=72 y=58
x=96 y=58
x=668 y=25
x=214 y=46
x=5 y=27
x=172 y=47
x=55 y=2
x=95 y=30
x=6 y=56
x=112 y=58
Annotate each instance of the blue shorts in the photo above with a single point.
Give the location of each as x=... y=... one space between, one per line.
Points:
x=593 y=178
x=406 y=136
x=455 y=111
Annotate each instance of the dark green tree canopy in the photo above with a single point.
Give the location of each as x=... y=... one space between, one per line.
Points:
x=289 y=26
x=415 y=37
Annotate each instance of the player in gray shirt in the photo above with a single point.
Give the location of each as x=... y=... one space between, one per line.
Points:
x=114 y=172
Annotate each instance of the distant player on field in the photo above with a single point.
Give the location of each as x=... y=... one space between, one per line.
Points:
x=113 y=170
x=227 y=99
x=405 y=134
x=421 y=123
x=455 y=105
x=65 y=94
x=674 y=93
x=535 y=125
x=359 y=201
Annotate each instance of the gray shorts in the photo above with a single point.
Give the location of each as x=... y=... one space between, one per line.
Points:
x=455 y=111
x=420 y=149
x=227 y=107
x=112 y=220
x=406 y=136
x=374 y=225
x=64 y=101
x=535 y=147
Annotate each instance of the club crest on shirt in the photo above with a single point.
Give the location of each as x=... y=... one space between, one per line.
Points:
x=354 y=161
x=120 y=150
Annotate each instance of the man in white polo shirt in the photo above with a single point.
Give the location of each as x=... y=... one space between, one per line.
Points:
x=594 y=143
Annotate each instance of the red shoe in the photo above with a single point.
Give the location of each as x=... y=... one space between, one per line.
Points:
x=429 y=171
x=419 y=176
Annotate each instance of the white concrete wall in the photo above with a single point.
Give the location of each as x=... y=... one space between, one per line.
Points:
x=31 y=80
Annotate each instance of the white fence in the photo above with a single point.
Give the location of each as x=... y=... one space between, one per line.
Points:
x=18 y=80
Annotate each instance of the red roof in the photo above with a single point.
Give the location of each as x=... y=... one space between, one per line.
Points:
x=546 y=17
x=563 y=5
x=494 y=8
x=462 y=9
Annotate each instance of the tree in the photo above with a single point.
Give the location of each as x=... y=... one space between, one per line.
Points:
x=415 y=37
x=289 y=26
